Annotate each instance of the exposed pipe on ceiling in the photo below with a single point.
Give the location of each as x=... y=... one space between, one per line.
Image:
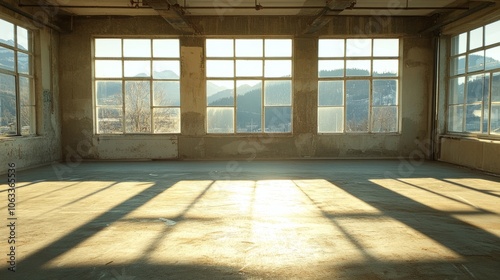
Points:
x=257 y=7
x=469 y=12
x=30 y=16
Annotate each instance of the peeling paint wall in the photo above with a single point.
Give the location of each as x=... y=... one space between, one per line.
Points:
x=194 y=143
x=44 y=148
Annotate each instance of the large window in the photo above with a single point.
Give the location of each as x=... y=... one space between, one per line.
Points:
x=17 y=98
x=474 y=85
x=137 y=86
x=358 y=85
x=249 y=85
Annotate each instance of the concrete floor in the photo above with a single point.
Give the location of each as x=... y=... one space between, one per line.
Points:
x=255 y=220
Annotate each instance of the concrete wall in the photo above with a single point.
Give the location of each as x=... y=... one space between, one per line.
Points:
x=193 y=143
x=28 y=151
x=472 y=152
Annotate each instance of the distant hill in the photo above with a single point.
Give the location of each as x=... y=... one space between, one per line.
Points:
x=221 y=98
x=489 y=62
x=167 y=74
x=7 y=101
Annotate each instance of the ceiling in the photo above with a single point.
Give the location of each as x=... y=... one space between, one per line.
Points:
x=256 y=7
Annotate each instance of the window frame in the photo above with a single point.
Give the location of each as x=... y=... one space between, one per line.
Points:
x=17 y=75
x=453 y=73
x=234 y=58
x=370 y=78
x=123 y=79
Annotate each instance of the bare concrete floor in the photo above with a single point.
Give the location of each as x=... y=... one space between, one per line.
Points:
x=254 y=220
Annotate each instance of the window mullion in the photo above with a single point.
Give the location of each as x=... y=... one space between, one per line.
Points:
x=151 y=105
x=235 y=104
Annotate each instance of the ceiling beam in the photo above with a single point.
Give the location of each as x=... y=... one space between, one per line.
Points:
x=173 y=13
x=438 y=25
x=37 y=20
x=333 y=7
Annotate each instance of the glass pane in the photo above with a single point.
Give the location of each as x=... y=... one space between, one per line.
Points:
x=331 y=48
x=278 y=119
x=330 y=93
x=495 y=118
x=219 y=48
x=7 y=34
x=27 y=105
x=108 y=47
x=27 y=119
x=136 y=47
x=166 y=93
x=385 y=119
x=109 y=93
x=475 y=61
x=278 y=93
x=456 y=118
x=249 y=68
x=8 y=109
x=23 y=63
x=358 y=67
x=23 y=39
x=330 y=68
x=108 y=68
x=137 y=107
x=220 y=120
x=109 y=120
x=166 y=48
x=357 y=105
x=278 y=68
x=493 y=58
x=459 y=44
x=7 y=59
x=220 y=93
x=137 y=68
x=385 y=92
x=25 y=91
x=385 y=67
x=358 y=47
x=330 y=119
x=278 y=47
x=475 y=87
x=476 y=38
x=220 y=68
x=495 y=87
x=457 y=89
x=385 y=47
x=486 y=97
x=249 y=47
x=473 y=118
x=249 y=106
x=166 y=69
x=457 y=66
x=167 y=120
x=492 y=33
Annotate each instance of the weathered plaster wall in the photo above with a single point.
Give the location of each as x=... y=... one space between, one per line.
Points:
x=28 y=151
x=194 y=143
x=475 y=153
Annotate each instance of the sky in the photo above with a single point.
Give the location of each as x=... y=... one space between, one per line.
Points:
x=7 y=33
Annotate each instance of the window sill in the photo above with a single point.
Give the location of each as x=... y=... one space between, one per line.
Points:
x=133 y=136
x=6 y=138
x=478 y=138
x=268 y=135
x=359 y=133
